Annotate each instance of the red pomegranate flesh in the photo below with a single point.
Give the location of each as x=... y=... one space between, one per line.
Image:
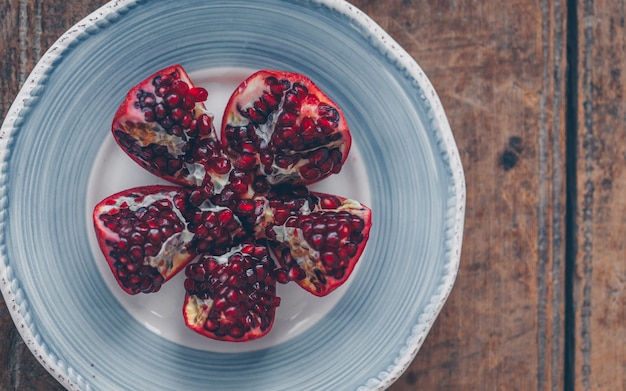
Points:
x=148 y=234
x=163 y=125
x=231 y=297
x=284 y=126
x=316 y=238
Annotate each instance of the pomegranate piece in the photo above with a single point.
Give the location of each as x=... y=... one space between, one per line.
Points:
x=231 y=297
x=283 y=126
x=243 y=219
x=148 y=234
x=143 y=237
x=317 y=238
x=163 y=125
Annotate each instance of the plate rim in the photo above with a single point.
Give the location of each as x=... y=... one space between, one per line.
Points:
x=379 y=39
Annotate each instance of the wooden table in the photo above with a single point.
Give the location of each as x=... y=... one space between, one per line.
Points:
x=534 y=91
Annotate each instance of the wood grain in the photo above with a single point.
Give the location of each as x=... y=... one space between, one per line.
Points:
x=599 y=271
x=500 y=73
x=534 y=94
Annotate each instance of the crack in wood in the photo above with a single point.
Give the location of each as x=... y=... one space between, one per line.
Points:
x=550 y=209
x=22 y=40
x=557 y=196
x=588 y=146
x=37 y=29
x=542 y=209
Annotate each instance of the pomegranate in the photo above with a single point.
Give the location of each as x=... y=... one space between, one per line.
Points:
x=163 y=125
x=148 y=234
x=242 y=218
x=231 y=297
x=285 y=127
x=316 y=238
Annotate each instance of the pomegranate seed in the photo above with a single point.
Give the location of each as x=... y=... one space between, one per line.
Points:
x=255 y=115
x=160 y=112
x=270 y=101
x=292 y=102
x=161 y=91
x=295 y=274
x=282 y=276
x=326 y=167
x=163 y=80
x=239 y=186
x=301 y=91
x=212 y=325
x=188 y=102
x=245 y=207
x=172 y=100
x=180 y=87
x=236 y=332
x=245 y=162
x=286 y=119
x=221 y=166
x=286 y=161
x=261 y=107
x=199 y=93
x=225 y=216
x=329 y=259
x=204 y=124
x=332 y=239
x=330 y=202
x=319 y=156
x=317 y=241
x=220 y=303
x=344 y=231
x=309 y=172
x=277 y=86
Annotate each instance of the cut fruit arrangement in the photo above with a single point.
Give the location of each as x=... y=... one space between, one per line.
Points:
x=238 y=217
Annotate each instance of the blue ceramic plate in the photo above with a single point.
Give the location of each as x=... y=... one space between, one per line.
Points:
x=59 y=160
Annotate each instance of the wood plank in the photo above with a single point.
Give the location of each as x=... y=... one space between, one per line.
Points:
x=28 y=28
x=598 y=318
x=500 y=72
x=499 y=69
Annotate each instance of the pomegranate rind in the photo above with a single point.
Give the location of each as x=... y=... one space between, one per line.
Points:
x=298 y=143
x=169 y=153
x=169 y=261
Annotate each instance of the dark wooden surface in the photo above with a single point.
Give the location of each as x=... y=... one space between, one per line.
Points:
x=534 y=91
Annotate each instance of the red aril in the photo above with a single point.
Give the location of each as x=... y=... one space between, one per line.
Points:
x=284 y=126
x=231 y=297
